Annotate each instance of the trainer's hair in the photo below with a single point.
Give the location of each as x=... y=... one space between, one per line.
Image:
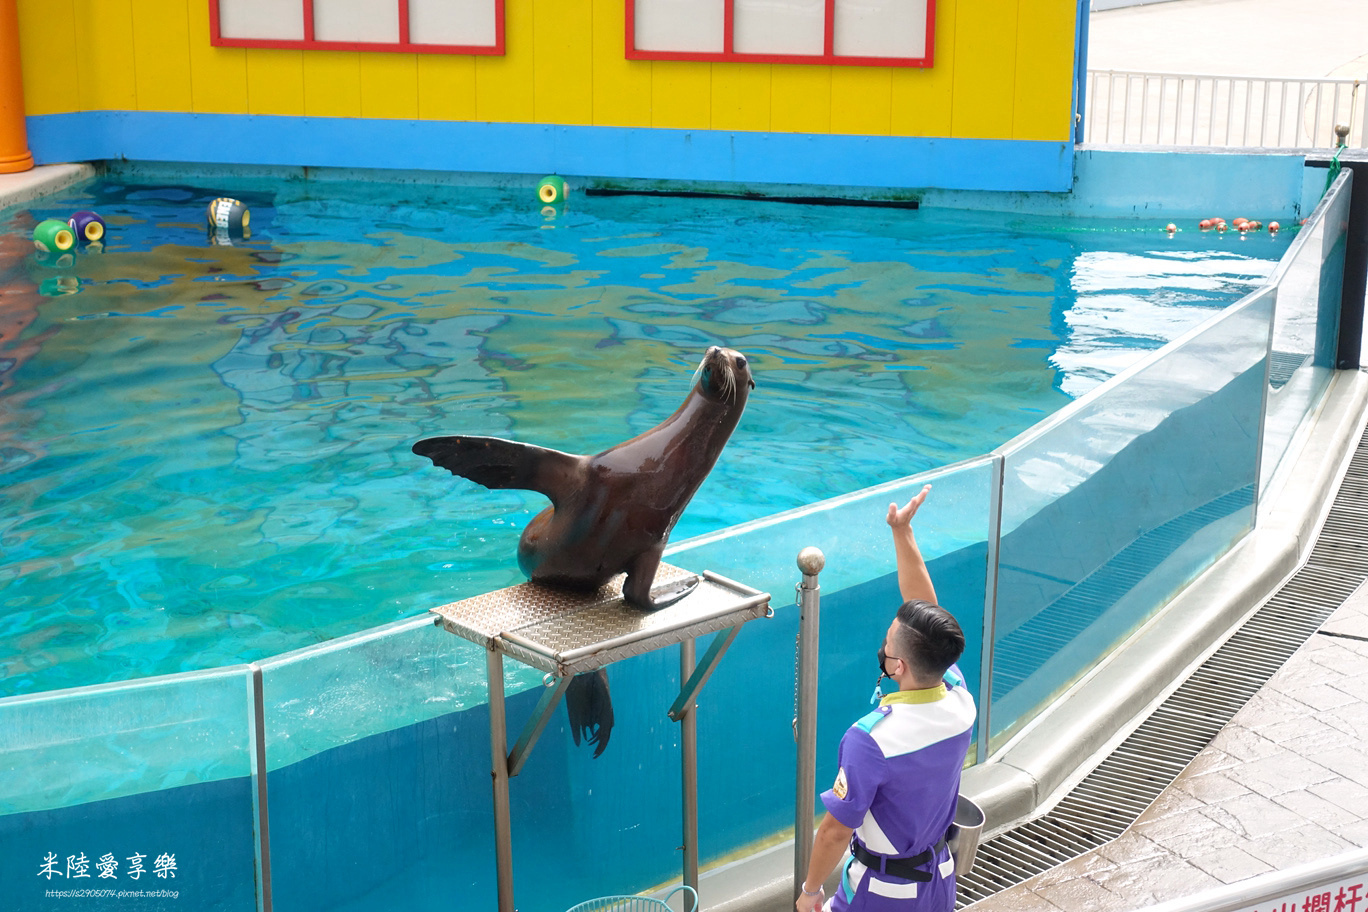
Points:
x=928 y=637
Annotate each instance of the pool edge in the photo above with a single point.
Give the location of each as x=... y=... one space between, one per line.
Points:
x=26 y=186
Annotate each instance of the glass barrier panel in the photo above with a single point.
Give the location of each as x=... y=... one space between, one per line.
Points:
x=746 y=795
x=1114 y=504
x=379 y=756
x=1309 y=280
x=378 y=744
x=852 y=533
x=143 y=785
x=377 y=747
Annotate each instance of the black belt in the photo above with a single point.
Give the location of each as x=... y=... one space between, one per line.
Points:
x=908 y=868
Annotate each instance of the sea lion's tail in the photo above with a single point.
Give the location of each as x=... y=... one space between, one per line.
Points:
x=590 y=709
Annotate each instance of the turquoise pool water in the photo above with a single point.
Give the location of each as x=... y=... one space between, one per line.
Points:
x=205 y=451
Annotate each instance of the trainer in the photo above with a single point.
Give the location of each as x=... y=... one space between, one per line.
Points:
x=895 y=792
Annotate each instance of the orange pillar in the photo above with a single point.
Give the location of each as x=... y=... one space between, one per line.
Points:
x=14 y=151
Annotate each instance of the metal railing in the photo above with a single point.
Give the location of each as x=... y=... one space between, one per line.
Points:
x=1189 y=109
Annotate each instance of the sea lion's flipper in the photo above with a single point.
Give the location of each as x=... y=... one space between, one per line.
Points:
x=590 y=708
x=497 y=463
x=637 y=591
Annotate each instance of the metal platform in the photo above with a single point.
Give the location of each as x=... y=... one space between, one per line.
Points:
x=566 y=633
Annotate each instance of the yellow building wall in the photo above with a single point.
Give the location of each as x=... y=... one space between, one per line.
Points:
x=1003 y=70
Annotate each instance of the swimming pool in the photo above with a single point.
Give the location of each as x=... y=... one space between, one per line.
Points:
x=205 y=451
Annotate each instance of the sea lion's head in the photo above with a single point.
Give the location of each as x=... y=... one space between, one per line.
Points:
x=724 y=376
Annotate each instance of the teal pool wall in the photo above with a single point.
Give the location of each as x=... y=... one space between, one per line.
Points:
x=1163 y=184
x=1097 y=182
x=1050 y=550
x=207 y=828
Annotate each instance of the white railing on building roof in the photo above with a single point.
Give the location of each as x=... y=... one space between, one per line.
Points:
x=1187 y=109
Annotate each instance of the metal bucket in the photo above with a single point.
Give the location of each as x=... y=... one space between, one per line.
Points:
x=963 y=838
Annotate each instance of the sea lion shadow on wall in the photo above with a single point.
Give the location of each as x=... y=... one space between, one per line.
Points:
x=611 y=513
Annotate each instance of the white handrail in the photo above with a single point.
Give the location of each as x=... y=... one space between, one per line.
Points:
x=1194 y=109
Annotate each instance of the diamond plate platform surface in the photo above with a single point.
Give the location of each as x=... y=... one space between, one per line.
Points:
x=567 y=632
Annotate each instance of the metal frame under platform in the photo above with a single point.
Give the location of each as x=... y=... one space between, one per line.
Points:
x=565 y=633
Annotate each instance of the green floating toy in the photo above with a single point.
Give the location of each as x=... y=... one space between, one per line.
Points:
x=551 y=189
x=53 y=236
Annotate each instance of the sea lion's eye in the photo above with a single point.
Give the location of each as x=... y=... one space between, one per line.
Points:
x=740 y=360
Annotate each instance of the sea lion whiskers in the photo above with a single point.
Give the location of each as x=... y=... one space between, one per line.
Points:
x=728 y=384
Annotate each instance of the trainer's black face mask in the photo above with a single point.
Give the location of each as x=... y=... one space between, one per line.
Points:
x=878 y=682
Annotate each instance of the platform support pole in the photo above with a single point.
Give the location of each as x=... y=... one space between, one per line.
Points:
x=810 y=562
x=498 y=755
x=688 y=743
x=263 y=834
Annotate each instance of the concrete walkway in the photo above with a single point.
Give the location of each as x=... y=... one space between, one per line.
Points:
x=1285 y=783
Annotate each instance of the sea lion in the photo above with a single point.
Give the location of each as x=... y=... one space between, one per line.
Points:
x=611 y=513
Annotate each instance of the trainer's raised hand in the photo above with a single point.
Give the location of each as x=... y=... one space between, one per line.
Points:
x=914 y=581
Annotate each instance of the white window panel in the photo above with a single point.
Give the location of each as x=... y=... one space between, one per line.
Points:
x=880 y=28
x=461 y=22
x=261 y=20
x=356 y=20
x=679 y=25
x=780 y=27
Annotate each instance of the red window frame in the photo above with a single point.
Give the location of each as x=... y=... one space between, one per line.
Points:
x=828 y=57
x=403 y=45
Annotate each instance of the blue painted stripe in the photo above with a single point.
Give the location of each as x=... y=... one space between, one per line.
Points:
x=625 y=152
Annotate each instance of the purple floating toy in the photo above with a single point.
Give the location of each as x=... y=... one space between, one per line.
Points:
x=87 y=226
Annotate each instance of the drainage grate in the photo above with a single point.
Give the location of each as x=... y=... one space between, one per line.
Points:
x=1283 y=365
x=1113 y=795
